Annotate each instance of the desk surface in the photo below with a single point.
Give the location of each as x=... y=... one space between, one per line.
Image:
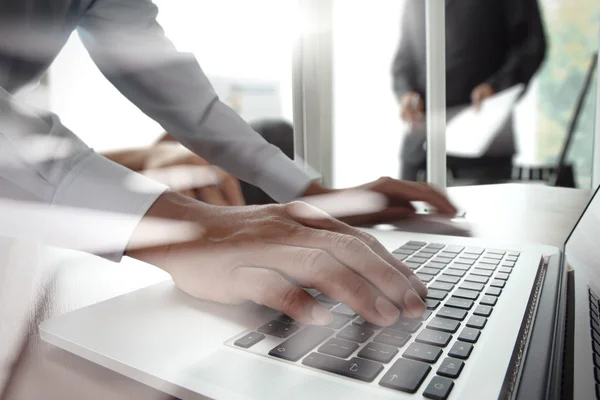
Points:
x=510 y=213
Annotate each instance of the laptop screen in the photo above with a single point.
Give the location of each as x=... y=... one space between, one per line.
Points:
x=582 y=248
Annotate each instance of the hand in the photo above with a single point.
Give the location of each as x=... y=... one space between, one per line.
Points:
x=480 y=93
x=268 y=254
x=412 y=108
x=399 y=195
x=175 y=166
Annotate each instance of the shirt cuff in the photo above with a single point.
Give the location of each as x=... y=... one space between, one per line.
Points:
x=282 y=179
x=105 y=203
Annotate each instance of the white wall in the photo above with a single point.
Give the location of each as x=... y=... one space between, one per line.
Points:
x=252 y=44
x=367 y=131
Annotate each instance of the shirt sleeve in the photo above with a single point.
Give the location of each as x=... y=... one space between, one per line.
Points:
x=56 y=190
x=527 y=41
x=403 y=70
x=130 y=48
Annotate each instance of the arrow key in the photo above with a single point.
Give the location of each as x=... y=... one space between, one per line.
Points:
x=461 y=350
x=451 y=368
x=405 y=375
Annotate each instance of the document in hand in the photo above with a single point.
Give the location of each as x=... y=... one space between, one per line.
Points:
x=470 y=132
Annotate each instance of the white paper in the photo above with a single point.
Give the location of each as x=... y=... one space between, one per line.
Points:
x=471 y=132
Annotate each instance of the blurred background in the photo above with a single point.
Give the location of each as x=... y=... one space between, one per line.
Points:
x=247 y=54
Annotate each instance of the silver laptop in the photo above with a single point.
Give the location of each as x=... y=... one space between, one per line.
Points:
x=503 y=321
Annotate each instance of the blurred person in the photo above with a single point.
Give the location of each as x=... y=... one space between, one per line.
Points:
x=265 y=254
x=490 y=47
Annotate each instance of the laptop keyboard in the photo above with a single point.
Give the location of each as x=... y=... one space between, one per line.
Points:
x=464 y=285
x=595 y=323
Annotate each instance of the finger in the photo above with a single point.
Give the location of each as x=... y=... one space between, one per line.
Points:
x=270 y=288
x=414 y=191
x=232 y=191
x=377 y=247
x=317 y=269
x=189 y=193
x=211 y=195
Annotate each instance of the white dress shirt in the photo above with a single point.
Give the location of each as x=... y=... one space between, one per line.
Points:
x=131 y=50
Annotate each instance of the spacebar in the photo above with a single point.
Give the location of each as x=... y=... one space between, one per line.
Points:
x=301 y=343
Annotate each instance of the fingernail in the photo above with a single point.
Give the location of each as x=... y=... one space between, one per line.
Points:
x=418 y=285
x=387 y=310
x=414 y=305
x=320 y=315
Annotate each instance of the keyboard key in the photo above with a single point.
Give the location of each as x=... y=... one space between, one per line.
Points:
x=406 y=325
x=465 y=261
x=484 y=311
x=442 y=260
x=462 y=267
x=500 y=252
x=488 y=267
x=498 y=283
x=435 y=338
x=451 y=368
x=466 y=294
x=338 y=321
x=452 y=313
x=482 y=272
x=429 y=250
x=424 y=254
x=454 y=272
x=436 y=294
x=285 y=319
x=476 y=278
x=355 y=333
x=338 y=348
x=461 y=350
x=436 y=246
x=413 y=265
x=463 y=304
x=436 y=265
x=392 y=338
x=438 y=285
x=400 y=257
x=515 y=254
x=432 y=304
x=425 y=315
x=424 y=277
x=446 y=254
x=405 y=375
x=323 y=298
x=454 y=249
x=422 y=352
x=469 y=256
x=378 y=352
x=477 y=322
x=448 y=279
x=439 y=388
x=505 y=270
x=344 y=310
x=469 y=335
x=429 y=271
x=420 y=260
x=472 y=286
x=510 y=264
x=492 y=256
x=416 y=244
x=249 y=340
x=493 y=291
x=474 y=250
x=502 y=276
x=444 y=325
x=365 y=324
x=278 y=329
x=488 y=300
x=301 y=343
x=511 y=259
x=405 y=251
x=356 y=368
